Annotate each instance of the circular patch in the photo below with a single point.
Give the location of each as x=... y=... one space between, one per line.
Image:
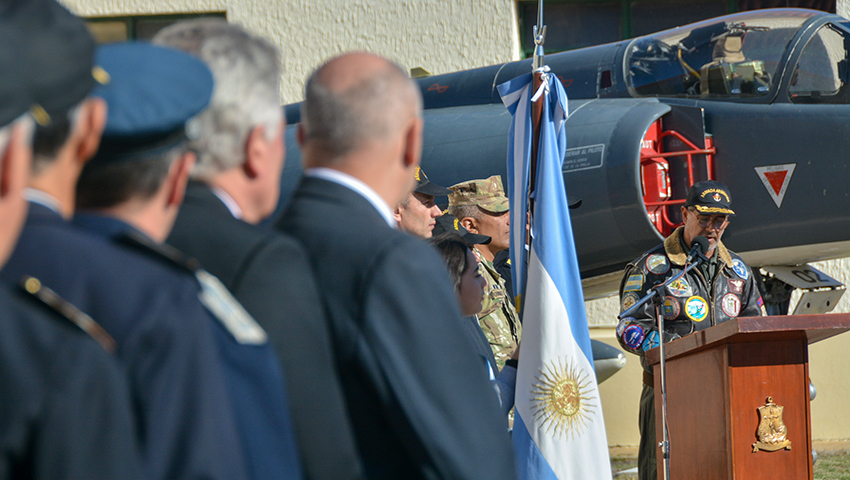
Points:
x=657 y=264
x=696 y=308
x=680 y=288
x=628 y=301
x=671 y=308
x=633 y=336
x=651 y=340
x=740 y=268
x=731 y=305
x=623 y=324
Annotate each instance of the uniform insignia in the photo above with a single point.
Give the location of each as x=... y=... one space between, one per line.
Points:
x=731 y=305
x=628 y=301
x=772 y=433
x=623 y=324
x=651 y=340
x=671 y=308
x=716 y=197
x=760 y=302
x=657 y=264
x=740 y=268
x=736 y=286
x=633 y=336
x=48 y=297
x=634 y=283
x=680 y=288
x=696 y=308
x=218 y=300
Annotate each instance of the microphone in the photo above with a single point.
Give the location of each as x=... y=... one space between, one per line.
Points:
x=698 y=246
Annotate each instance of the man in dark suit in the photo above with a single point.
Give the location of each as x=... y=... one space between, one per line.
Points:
x=236 y=184
x=419 y=404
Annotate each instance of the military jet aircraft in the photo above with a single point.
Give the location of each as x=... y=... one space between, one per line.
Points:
x=757 y=100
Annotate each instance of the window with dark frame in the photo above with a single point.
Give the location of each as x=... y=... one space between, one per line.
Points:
x=137 y=27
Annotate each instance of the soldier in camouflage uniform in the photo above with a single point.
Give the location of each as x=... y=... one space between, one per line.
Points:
x=482 y=207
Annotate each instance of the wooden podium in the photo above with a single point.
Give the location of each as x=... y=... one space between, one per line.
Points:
x=716 y=381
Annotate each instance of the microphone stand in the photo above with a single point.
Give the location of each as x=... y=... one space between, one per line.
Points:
x=657 y=296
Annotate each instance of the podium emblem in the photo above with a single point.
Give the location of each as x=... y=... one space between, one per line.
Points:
x=771 y=433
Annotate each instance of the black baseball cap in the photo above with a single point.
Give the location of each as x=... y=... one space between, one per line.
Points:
x=710 y=197
x=449 y=223
x=424 y=186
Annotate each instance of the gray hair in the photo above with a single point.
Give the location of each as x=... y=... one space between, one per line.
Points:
x=246 y=69
x=463 y=211
x=105 y=185
x=339 y=121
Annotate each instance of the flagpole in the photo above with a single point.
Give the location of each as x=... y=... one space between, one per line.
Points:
x=536 y=110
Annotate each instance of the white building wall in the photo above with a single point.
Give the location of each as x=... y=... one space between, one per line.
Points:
x=438 y=35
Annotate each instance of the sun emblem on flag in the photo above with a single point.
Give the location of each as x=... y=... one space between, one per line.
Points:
x=562 y=400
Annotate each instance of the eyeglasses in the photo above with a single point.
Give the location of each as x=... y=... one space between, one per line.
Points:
x=717 y=223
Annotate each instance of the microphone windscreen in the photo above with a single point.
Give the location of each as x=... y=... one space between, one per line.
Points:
x=702 y=242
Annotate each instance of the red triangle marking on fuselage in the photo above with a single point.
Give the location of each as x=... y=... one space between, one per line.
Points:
x=776 y=179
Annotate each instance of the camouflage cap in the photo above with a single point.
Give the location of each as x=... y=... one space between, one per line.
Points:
x=487 y=194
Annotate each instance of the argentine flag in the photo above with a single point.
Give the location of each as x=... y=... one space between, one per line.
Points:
x=559 y=432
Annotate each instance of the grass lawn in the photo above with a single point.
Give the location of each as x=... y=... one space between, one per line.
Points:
x=830 y=466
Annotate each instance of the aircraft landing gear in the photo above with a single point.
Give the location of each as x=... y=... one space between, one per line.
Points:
x=820 y=292
x=775 y=293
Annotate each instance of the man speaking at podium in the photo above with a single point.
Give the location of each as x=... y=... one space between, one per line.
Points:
x=720 y=288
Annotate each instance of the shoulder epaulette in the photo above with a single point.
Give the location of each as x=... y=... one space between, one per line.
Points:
x=48 y=297
x=162 y=251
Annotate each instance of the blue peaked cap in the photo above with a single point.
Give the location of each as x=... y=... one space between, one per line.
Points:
x=152 y=93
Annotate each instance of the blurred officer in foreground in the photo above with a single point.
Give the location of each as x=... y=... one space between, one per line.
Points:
x=721 y=288
x=64 y=403
x=178 y=393
x=236 y=184
x=417 y=213
x=130 y=193
x=482 y=208
x=418 y=402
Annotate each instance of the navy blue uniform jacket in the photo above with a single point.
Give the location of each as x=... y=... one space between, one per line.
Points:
x=251 y=372
x=65 y=402
x=269 y=274
x=164 y=343
x=418 y=400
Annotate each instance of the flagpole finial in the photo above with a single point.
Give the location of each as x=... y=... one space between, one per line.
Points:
x=539 y=37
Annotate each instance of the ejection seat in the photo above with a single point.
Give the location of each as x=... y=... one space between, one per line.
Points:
x=729 y=73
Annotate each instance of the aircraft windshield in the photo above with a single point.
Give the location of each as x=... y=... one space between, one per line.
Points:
x=737 y=55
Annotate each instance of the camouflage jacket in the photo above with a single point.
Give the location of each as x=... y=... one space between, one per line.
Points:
x=498 y=318
x=690 y=304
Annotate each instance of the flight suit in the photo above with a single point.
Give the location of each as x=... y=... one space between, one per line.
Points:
x=692 y=303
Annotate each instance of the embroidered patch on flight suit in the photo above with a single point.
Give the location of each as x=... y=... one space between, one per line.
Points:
x=696 y=308
x=628 y=301
x=634 y=283
x=760 y=302
x=633 y=336
x=731 y=304
x=736 y=286
x=740 y=268
x=671 y=308
x=651 y=340
x=625 y=322
x=680 y=288
x=657 y=264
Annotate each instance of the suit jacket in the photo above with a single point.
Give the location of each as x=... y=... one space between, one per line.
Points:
x=420 y=405
x=269 y=274
x=164 y=342
x=65 y=402
x=251 y=371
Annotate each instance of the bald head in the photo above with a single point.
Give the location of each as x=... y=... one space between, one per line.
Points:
x=354 y=99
